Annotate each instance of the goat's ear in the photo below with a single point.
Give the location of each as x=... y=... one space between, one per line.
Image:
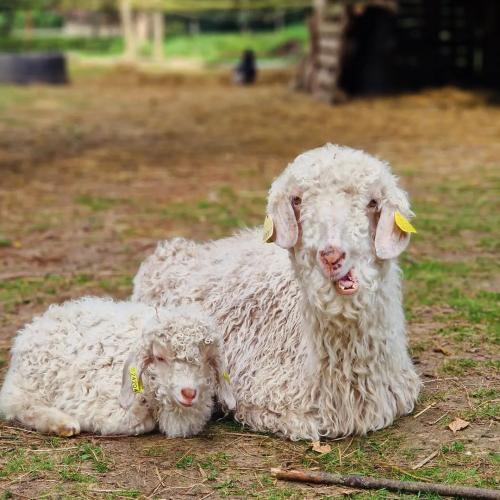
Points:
x=216 y=359
x=390 y=240
x=127 y=394
x=284 y=217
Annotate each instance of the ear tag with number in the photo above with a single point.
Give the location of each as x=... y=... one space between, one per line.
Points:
x=134 y=379
x=225 y=376
x=403 y=223
x=268 y=229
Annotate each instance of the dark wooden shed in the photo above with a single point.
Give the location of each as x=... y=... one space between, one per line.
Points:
x=381 y=46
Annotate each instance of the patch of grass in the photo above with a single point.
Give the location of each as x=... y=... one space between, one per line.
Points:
x=78 y=477
x=22 y=461
x=230 y=488
x=482 y=308
x=116 y=284
x=218 y=47
x=447 y=284
x=96 y=203
x=25 y=290
x=126 y=494
x=185 y=462
x=213 y=463
x=209 y=47
x=157 y=451
x=484 y=411
x=461 y=366
x=458 y=367
x=485 y=394
x=88 y=452
x=455 y=447
x=5 y=242
x=226 y=211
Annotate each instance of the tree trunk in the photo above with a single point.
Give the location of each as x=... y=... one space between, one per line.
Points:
x=158 y=34
x=143 y=27
x=127 y=21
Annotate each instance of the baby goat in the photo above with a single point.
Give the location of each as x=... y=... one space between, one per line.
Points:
x=116 y=368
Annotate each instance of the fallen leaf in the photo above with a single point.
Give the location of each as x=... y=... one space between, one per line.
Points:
x=441 y=350
x=458 y=424
x=321 y=448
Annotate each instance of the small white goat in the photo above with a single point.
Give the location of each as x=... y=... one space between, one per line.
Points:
x=313 y=325
x=115 y=368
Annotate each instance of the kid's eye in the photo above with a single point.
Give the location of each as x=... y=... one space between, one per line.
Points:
x=296 y=201
x=372 y=204
x=160 y=358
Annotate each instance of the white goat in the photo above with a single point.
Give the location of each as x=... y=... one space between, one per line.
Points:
x=313 y=325
x=115 y=368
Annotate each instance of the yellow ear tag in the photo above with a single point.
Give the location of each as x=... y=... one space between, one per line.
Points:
x=226 y=377
x=403 y=223
x=268 y=229
x=134 y=379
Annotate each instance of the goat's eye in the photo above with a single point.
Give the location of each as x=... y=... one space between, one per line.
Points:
x=372 y=204
x=296 y=201
x=160 y=359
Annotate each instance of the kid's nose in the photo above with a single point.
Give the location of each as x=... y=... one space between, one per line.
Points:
x=188 y=393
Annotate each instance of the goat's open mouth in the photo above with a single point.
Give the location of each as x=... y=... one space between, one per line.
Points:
x=185 y=403
x=347 y=285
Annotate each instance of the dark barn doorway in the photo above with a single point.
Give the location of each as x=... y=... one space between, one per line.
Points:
x=380 y=46
x=368 y=53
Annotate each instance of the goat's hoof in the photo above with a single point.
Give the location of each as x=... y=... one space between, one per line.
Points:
x=68 y=430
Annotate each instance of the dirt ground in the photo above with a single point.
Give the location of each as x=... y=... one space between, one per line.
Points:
x=95 y=173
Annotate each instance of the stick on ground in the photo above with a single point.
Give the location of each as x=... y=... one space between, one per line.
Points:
x=367 y=482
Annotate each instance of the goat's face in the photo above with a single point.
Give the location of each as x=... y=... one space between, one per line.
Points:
x=179 y=381
x=334 y=208
x=180 y=361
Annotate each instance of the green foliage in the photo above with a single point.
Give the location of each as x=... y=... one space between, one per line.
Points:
x=218 y=47
x=211 y=48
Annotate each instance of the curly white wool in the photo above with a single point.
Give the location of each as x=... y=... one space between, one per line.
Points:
x=305 y=360
x=70 y=369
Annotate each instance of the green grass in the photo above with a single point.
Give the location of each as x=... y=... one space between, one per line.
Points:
x=96 y=203
x=225 y=212
x=218 y=47
x=471 y=312
x=21 y=461
x=212 y=463
x=70 y=465
x=22 y=290
x=5 y=242
x=208 y=47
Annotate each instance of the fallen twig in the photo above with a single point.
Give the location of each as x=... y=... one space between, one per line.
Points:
x=424 y=410
x=367 y=482
x=425 y=460
x=438 y=419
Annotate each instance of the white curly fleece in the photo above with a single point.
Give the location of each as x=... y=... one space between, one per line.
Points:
x=305 y=360
x=70 y=369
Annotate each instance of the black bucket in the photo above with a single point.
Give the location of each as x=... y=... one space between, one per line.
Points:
x=33 y=68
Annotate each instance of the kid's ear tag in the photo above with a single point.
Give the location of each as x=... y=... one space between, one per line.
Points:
x=134 y=379
x=225 y=376
x=403 y=223
x=268 y=229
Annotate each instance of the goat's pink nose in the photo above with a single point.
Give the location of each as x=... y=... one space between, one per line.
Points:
x=188 y=393
x=332 y=256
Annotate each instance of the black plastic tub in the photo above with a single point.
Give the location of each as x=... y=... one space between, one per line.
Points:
x=36 y=67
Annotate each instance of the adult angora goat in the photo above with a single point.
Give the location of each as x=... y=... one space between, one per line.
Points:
x=313 y=325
